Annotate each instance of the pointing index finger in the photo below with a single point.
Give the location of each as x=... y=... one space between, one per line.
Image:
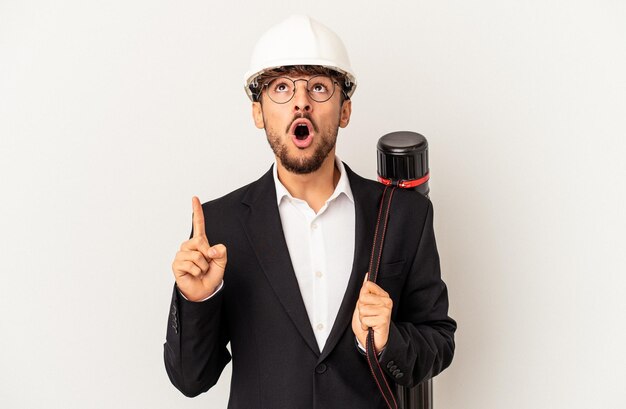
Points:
x=198 y=218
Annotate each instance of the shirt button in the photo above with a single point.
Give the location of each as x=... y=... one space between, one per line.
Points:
x=314 y=225
x=318 y=274
x=320 y=327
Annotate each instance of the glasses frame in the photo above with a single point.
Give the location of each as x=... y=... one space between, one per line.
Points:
x=271 y=79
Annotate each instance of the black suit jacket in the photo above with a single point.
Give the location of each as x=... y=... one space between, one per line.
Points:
x=276 y=360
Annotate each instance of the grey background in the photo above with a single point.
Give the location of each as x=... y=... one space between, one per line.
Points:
x=113 y=114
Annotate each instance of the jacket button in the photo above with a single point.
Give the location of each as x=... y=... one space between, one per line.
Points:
x=399 y=375
x=389 y=364
x=321 y=368
x=397 y=371
x=393 y=368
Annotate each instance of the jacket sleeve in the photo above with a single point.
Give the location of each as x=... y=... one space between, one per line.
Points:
x=421 y=336
x=195 y=349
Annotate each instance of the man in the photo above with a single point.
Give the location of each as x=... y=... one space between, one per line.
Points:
x=277 y=268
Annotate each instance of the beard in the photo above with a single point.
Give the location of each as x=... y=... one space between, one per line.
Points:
x=299 y=164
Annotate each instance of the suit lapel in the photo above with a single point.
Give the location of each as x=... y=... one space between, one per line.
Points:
x=263 y=226
x=366 y=198
x=264 y=229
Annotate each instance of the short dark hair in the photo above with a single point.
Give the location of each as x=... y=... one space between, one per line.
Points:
x=260 y=81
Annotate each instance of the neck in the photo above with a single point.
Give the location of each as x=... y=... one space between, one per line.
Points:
x=315 y=187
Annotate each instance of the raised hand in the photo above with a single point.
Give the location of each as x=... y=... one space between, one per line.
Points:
x=199 y=267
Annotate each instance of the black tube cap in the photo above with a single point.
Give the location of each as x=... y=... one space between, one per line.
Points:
x=402 y=155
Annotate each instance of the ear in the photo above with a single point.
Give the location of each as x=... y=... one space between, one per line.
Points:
x=346 y=110
x=257 y=115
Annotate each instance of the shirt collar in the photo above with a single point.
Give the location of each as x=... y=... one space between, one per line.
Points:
x=343 y=185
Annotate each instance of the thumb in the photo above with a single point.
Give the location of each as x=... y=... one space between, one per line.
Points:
x=218 y=255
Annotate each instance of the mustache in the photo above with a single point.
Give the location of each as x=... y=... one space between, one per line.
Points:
x=305 y=116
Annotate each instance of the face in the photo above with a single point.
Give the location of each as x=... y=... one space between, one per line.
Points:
x=302 y=132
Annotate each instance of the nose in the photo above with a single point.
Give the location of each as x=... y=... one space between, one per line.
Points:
x=302 y=101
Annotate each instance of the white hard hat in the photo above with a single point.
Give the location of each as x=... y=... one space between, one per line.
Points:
x=299 y=40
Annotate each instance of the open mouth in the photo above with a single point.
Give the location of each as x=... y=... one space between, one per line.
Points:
x=301 y=131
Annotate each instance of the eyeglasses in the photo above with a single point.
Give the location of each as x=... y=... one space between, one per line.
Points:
x=281 y=90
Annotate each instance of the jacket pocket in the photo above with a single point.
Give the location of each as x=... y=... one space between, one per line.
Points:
x=391 y=270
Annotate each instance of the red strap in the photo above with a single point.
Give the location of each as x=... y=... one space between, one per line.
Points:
x=377 y=247
x=405 y=184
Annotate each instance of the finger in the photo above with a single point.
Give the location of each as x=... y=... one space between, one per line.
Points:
x=358 y=314
x=373 y=299
x=188 y=267
x=356 y=318
x=200 y=244
x=373 y=311
x=218 y=255
x=364 y=287
x=373 y=322
x=374 y=288
x=366 y=279
x=204 y=247
x=198 y=218
x=197 y=258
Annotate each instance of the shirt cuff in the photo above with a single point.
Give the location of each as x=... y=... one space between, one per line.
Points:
x=363 y=351
x=215 y=292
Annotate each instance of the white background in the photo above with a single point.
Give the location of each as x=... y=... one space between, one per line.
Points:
x=114 y=113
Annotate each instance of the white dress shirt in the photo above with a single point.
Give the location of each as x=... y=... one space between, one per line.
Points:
x=321 y=247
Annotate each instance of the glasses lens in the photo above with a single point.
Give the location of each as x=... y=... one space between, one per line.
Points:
x=280 y=90
x=321 y=88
